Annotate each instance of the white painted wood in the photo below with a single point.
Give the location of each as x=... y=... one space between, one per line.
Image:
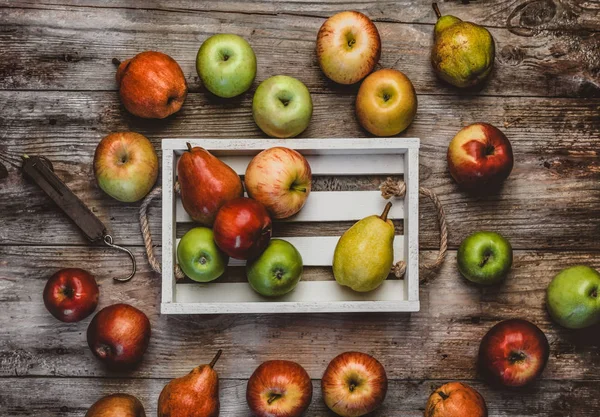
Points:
x=411 y=225
x=318 y=250
x=330 y=206
x=168 y=227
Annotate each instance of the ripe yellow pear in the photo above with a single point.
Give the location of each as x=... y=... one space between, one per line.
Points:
x=364 y=254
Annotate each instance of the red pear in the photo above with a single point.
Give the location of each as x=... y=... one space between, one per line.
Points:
x=117 y=405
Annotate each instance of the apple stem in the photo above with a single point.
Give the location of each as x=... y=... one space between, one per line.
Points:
x=386 y=211
x=189 y=146
x=273 y=397
x=351 y=387
x=443 y=395
x=215 y=359
x=436 y=9
x=116 y=61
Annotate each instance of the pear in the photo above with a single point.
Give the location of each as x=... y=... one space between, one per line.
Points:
x=193 y=395
x=463 y=52
x=364 y=254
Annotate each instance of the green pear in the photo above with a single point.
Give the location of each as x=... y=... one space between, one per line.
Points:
x=463 y=52
x=364 y=254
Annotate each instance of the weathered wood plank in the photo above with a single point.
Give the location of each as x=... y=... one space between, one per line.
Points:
x=71 y=397
x=454 y=316
x=555 y=182
x=70 y=48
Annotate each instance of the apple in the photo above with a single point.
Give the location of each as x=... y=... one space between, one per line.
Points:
x=242 y=228
x=513 y=353
x=386 y=103
x=226 y=64
x=126 y=166
x=456 y=399
x=71 y=294
x=348 y=47
x=484 y=258
x=573 y=297
x=151 y=85
x=199 y=257
x=354 y=384
x=281 y=179
x=282 y=106
x=117 y=405
x=119 y=335
x=279 y=389
x=277 y=270
x=480 y=157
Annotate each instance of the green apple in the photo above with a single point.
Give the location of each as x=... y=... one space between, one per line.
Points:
x=277 y=271
x=573 y=297
x=199 y=257
x=484 y=258
x=282 y=106
x=226 y=65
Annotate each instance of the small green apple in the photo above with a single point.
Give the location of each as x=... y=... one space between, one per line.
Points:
x=484 y=258
x=226 y=65
x=199 y=257
x=573 y=297
x=282 y=106
x=277 y=271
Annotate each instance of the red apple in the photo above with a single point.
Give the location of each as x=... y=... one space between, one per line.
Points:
x=71 y=294
x=242 y=228
x=281 y=179
x=513 y=353
x=279 y=389
x=479 y=157
x=126 y=166
x=348 y=47
x=119 y=335
x=354 y=384
x=151 y=85
x=117 y=405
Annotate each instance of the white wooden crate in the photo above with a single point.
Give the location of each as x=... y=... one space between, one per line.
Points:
x=331 y=157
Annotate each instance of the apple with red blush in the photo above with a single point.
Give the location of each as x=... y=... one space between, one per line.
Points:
x=71 y=294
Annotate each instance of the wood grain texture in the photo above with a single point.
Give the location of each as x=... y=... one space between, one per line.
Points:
x=454 y=316
x=56 y=47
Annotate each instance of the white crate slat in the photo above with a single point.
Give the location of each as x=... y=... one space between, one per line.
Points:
x=381 y=156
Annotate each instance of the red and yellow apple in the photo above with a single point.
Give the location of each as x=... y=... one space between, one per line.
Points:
x=354 y=384
x=480 y=157
x=151 y=85
x=348 y=47
x=71 y=294
x=280 y=178
x=279 y=389
x=456 y=399
x=386 y=103
x=126 y=166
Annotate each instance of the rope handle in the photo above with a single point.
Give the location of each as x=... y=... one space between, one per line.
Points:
x=391 y=188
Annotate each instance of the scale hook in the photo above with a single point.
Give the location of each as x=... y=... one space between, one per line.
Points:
x=108 y=240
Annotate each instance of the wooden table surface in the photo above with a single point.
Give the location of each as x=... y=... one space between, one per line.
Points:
x=58 y=98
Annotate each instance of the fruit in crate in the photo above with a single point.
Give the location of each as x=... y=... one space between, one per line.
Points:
x=71 y=294
x=363 y=256
x=513 y=353
x=193 y=395
x=226 y=65
x=348 y=47
x=354 y=384
x=117 y=405
x=126 y=166
x=573 y=297
x=151 y=85
x=280 y=178
x=282 y=106
x=455 y=399
x=277 y=270
x=199 y=257
x=463 y=52
x=279 y=389
x=205 y=183
x=386 y=103
x=119 y=335
x=480 y=157
x=242 y=228
x=484 y=258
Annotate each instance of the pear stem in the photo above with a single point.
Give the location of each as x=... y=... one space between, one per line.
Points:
x=189 y=146
x=215 y=359
x=386 y=211
x=436 y=9
x=116 y=61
